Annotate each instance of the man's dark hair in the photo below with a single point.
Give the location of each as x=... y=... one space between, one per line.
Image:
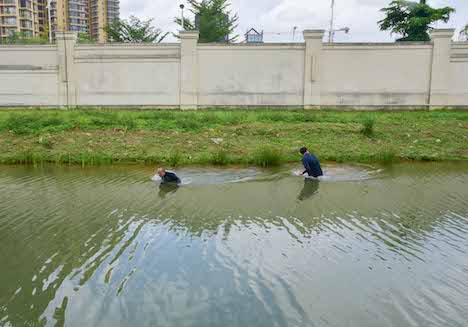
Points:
x=303 y=150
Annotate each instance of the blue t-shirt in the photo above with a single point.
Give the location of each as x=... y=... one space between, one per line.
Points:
x=170 y=178
x=312 y=165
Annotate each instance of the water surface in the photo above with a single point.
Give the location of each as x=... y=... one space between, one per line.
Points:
x=364 y=246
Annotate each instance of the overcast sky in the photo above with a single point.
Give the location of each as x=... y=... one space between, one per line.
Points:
x=277 y=18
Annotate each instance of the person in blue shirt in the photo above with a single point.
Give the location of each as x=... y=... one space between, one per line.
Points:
x=311 y=164
x=168 y=177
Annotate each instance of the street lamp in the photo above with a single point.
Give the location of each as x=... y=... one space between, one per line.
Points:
x=331 y=32
x=50 y=21
x=182 y=15
x=344 y=29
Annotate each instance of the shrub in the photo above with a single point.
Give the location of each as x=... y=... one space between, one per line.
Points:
x=368 y=125
x=266 y=157
x=174 y=159
x=220 y=157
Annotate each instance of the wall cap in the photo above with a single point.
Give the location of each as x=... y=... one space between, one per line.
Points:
x=313 y=34
x=191 y=35
x=128 y=45
x=42 y=47
x=66 y=35
x=446 y=33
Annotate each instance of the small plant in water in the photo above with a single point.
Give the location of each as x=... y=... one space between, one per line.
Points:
x=388 y=156
x=368 y=125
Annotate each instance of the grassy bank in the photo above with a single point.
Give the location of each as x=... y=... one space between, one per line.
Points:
x=219 y=137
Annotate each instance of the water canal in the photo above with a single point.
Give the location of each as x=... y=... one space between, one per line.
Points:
x=364 y=246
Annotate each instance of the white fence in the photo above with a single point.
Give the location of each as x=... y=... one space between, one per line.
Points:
x=189 y=75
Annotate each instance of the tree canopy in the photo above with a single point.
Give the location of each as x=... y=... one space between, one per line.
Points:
x=134 y=30
x=213 y=19
x=412 y=19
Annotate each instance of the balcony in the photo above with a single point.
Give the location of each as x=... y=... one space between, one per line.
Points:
x=5 y=11
x=8 y=21
x=25 y=14
x=26 y=24
x=7 y=31
x=25 y=4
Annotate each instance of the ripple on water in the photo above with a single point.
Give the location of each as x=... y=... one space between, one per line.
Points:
x=344 y=173
x=213 y=176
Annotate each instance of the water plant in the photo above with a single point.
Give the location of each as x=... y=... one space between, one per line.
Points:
x=388 y=156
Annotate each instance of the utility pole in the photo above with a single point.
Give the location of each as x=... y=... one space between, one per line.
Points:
x=332 y=19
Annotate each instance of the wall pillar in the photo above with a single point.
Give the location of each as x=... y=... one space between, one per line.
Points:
x=67 y=86
x=313 y=52
x=188 y=70
x=440 y=70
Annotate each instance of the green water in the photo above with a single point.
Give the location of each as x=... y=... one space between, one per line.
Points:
x=365 y=246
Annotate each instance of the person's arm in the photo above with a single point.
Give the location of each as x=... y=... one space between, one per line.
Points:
x=308 y=170
x=304 y=163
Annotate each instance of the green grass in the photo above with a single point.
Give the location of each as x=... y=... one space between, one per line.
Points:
x=254 y=137
x=219 y=157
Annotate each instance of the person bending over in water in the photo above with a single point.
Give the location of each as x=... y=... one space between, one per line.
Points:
x=168 y=177
x=311 y=164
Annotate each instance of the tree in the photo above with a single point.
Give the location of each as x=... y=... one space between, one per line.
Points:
x=412 y=19
x=213 y=19
x=24 y=38
x=134 y=30
x=464 y=33
x=44 y=35
x=84 y=38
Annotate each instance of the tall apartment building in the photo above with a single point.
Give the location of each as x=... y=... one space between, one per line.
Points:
x=27 y=16
x=85 y=16
x=103 y=12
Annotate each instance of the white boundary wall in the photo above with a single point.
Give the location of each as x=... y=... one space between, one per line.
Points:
x=189 y=75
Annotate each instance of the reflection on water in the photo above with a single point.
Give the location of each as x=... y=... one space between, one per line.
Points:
x=165 y=189
x=310 y=189
x=109 y=247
